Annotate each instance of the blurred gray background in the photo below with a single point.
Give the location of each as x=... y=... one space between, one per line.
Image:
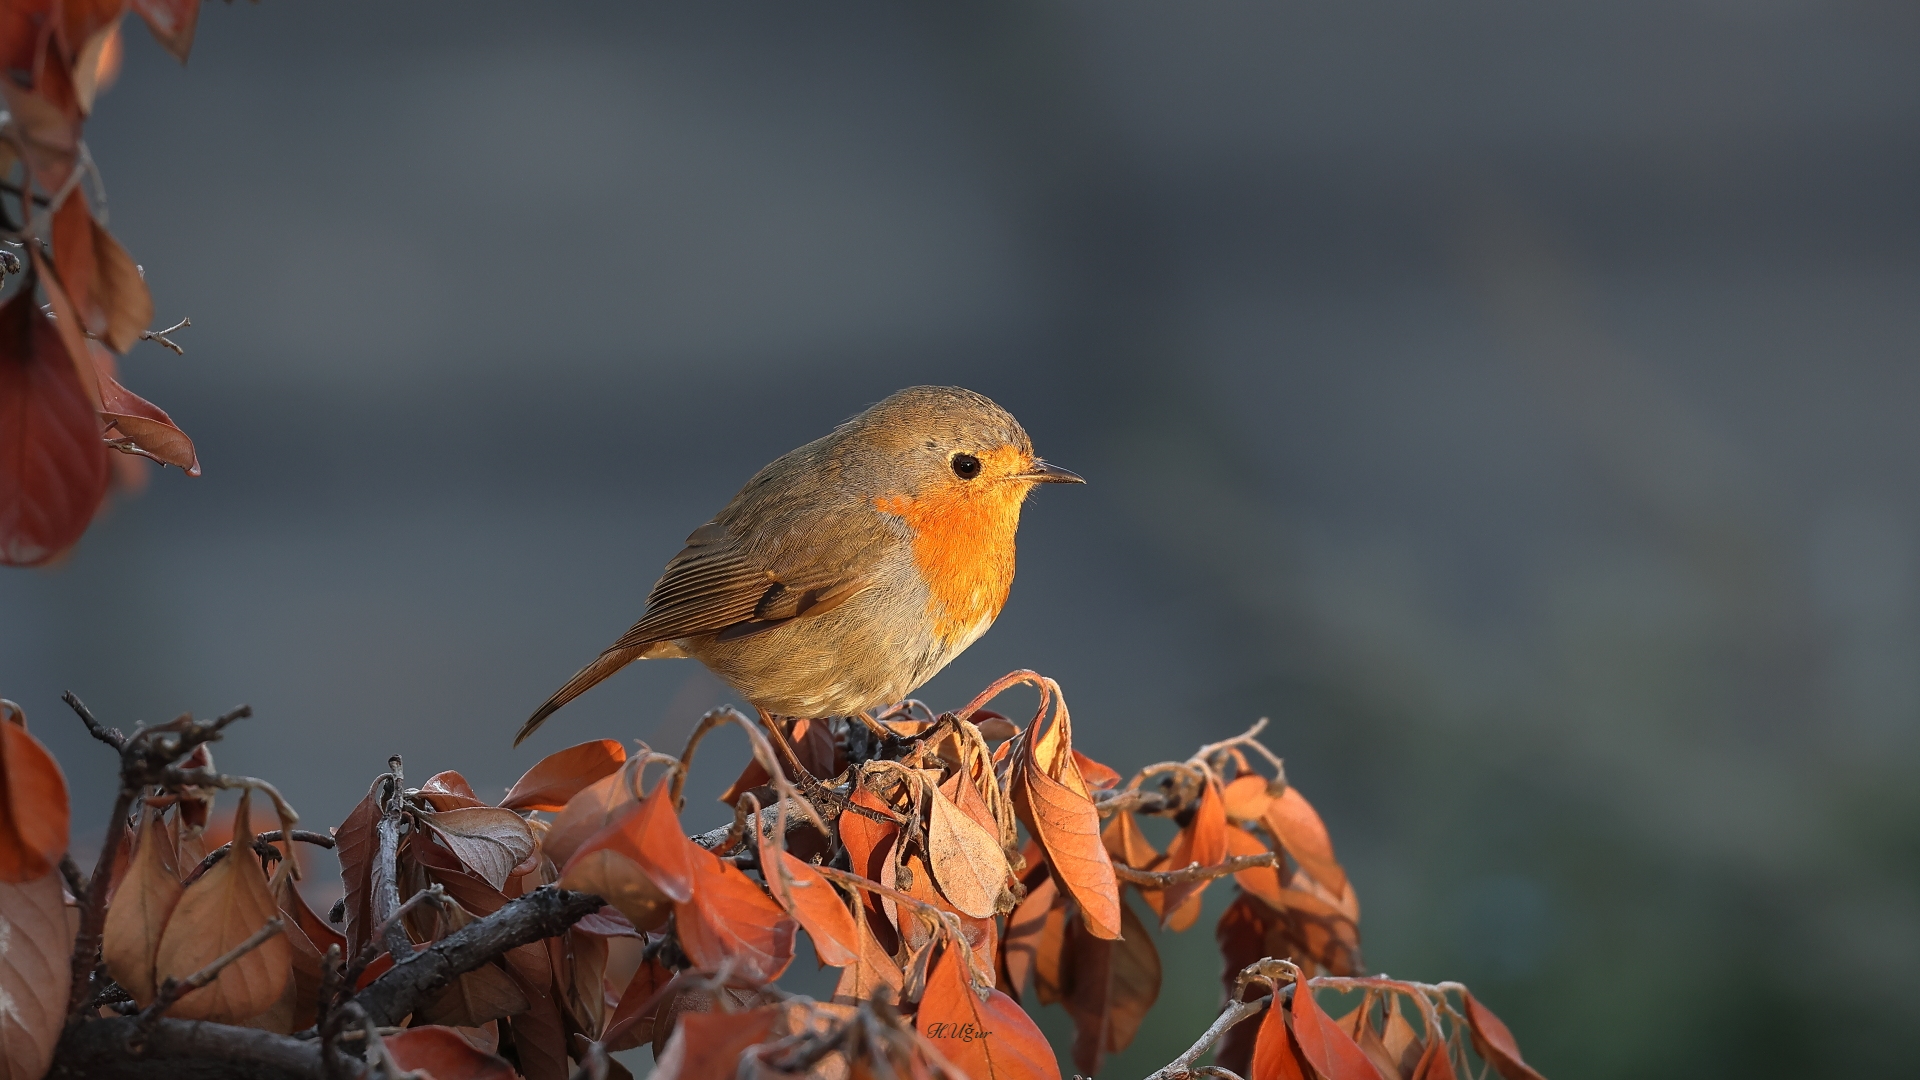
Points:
x=1511 y=400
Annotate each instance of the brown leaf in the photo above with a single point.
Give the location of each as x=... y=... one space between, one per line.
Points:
x=631 y=1024
x=473 y=998
x=1435 y=1063
x=1295 y=824
x=708 y=1045
x=586 y=965
x=586 y=814
x=1114 y=983
x=1098 y=777
x=639 y=863
x=488 y=840
x=560 y=776
x=540 y=1032
x=1247 y=931
x=1203 y=842
x=869 y=845
x=1126 y=844
x=354 y=843
x=1036 y=933
x=215 y=914
x=874 y=968
x=966 y=859
x=47 y=120
x=309 y=938
x=729 y=919
x=987 y=1039
x=171 y=22
x=100 y=277
x=1321 y=933
x=34 y=973
x=33 y=803
x=1493 y=1042
x=53 y=466
x=813 y=901
x=449 y=790
x=139 y=913
x=141 y=427
x=1324 y=1045
x=1276 y=1056
x=1051 y=797
x=1261 y=881
x=445 y=1054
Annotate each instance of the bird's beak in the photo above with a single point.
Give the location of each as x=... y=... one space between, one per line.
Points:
x=1043 y=473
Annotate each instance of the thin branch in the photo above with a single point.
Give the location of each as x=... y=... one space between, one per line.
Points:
x=1182 y=1067
x=160 y=337
x=111 y=736
x=172 y=990
x=76 y=882
x=386 y=874
x=1195 y=872
x=542 y=913
x=435 y=894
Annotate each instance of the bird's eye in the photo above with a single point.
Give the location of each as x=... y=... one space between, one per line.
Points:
x=966 y=466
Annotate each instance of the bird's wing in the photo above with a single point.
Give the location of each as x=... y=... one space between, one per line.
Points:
x=716 y=586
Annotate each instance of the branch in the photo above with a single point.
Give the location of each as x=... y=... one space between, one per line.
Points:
x=540 y=914
x=386 y=874
x=262 y=846
x=1182 y=1067
x=182 y=1050
x=110 y=736
x=1163 y=878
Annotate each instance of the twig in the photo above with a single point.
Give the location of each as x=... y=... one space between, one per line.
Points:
x=160 y=336
x=763 y=753
x=542 y=913
x=262 y=846
x=433 y=894
x=386 y=874
x=172 y=990
x=1162 y=878
x=1182 y=1067
x=111 y=736
x=76 y=883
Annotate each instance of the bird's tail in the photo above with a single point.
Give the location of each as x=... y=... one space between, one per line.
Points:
x=606 y=664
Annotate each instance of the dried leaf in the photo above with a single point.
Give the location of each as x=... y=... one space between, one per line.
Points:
x=1114 y=983
x=1246 y=798
x=1035 y=936
x=586 y=964
x=632 y=1021
x=558 y=777
x=47 y=120
x=729 y=919
x=139 y=426
x=35 y=940
x=1202 y=842
x=53 y=466
x=1276 y=1056
x=1298 y=828
x=1261 y=881
x=449 y=790
x=987 y=1039
x=1247 y=931
x=1098 y=777
x=708 y=1045
x=488 y=840
x=473 y=998
x=869 y=843
x=100 y=277
x=813 y=901
x=1435 y=1063
x=540 y=1032
x=171 y=22
x=967 y=862
x=639 y=862
x=139 y=913
x=446 y=1055
x=1051 y=797
x=1127 y=845
x=215 y=914
x=586 y=814
x=33 y=804
x=1493 y=1042
x=874 y=968
x=1324 y=1044
x=355 y=844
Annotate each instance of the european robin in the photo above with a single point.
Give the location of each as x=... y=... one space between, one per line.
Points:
x=851 y=570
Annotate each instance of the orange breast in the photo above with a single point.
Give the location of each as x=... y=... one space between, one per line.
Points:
x=963 y=547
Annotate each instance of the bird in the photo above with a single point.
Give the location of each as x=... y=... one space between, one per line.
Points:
x=849 y=571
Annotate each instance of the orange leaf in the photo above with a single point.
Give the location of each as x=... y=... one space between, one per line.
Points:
x=100 y=277
x=1246 y=798
x=1293 y=822
x=1435 y=1063
x=560 y=776
x=1261 y=881
x=1247 y=931
x=1050 y=796
x=1114 y=984
x=987 y=1039
x=632 y=1021
x=586 y=814
x=1324 y=1044
x=139 y=913
x=1202 y=842
x=1276 y=1056
x=1097 y=776
x=33 y=806
x=708 y=1045
x=215 y=914
x=449 y=791
x=812 y=900
x=444 y=1054
x=34 y=973
x=873 y=969
x=1035 y=936
x=965 y=858
x=646 y=834
x=1494 y=1042
x=53 y=466
x=730 y=919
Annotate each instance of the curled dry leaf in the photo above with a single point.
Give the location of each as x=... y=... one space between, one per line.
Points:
x=53 y=466
x=1261 y=881
x=215 y=914
x=873 y=968
x=486 y=839
x=1298 y=828
x=354 y=843
x=35 y=938
x=100 y=277
x=631 y=1024
x=310 y=936
x=1202 y=842
x=967 y=862
x=987 y=1038
x=449 y=791
x=812 y=901
x=1052 y=799
x=138 y=914
x=640 y=862
x=33 y=804
x=1114 y=984
x=708 y=1045
x=587 y=813
x=558 y=777
x=1247 y=797
x=1494 y=1042
x=445 y=1054
x=1276 y=1056
x=1324 y=1044
x=729 y=920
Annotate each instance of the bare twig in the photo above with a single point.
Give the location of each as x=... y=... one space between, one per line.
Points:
x=1182 y=1067
x=386 y=874
x=160 y=337
x=110 y=736
x=1195 y=872
x=76 y=882
x=172 y=990
x=262 y=846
